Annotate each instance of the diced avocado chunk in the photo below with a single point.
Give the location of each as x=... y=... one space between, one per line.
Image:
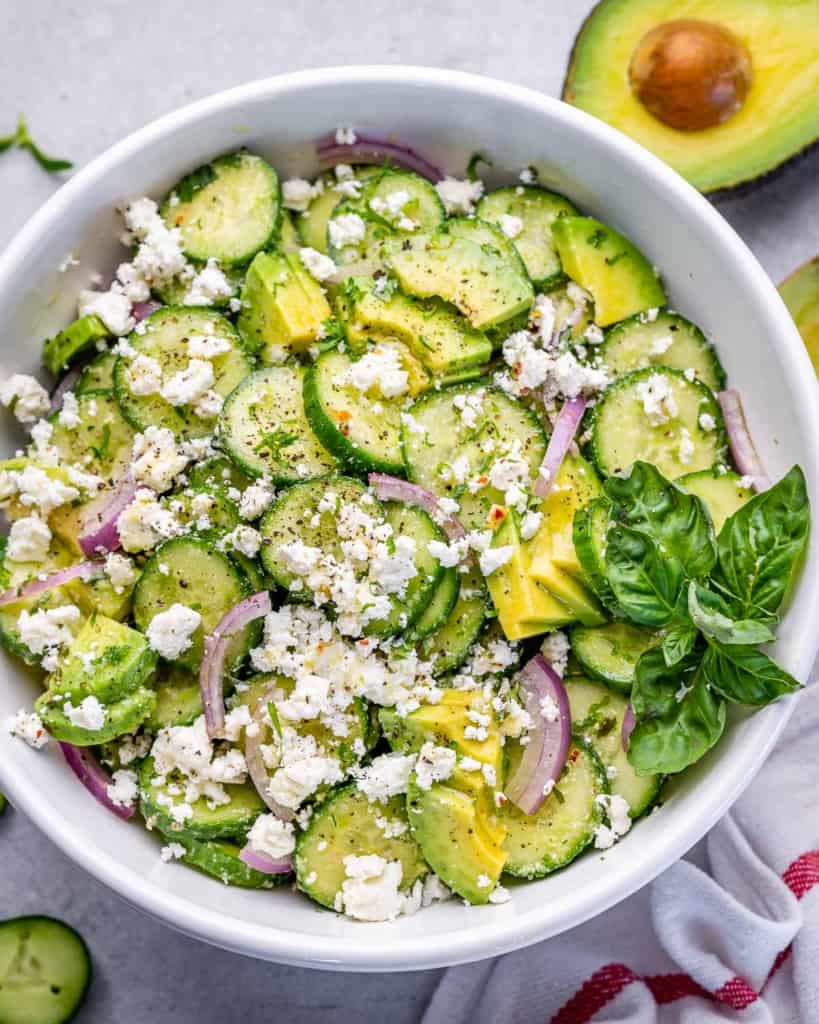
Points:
x=61 y=350
x=524 y=608
x=460 y=837
x=120 y=717
x=620 y=279
x=476 y=279
x=440 y=338
x=283 y=307
x=800 y=293
x=178 y=699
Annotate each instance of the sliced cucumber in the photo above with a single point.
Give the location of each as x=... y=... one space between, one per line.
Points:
x=218 y=471
x=667 y=340
x=610 y=653
x=537 y=210
x=439 y=608
x=164 y=339
x=597 y=715
x=45 y=971
x=345 y=825
x=721 y=493
x=178 y=700
x=591 y=524
x=447 y=647
x=76 y=340
x=294 y=516
x=439 y=437
x=98 y=375
x=226 y=210
x=100 y=442
x=362 y=429
x=564 y=826
x=204 y=511
x=158 y=797
x=221 y=860
x=188 y=571
x=264 y=429
x=312 y=224
x=623 y=433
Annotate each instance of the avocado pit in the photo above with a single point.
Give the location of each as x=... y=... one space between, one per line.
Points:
x=690 y=74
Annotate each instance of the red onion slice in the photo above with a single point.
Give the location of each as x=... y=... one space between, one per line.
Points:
x=100 y=530
x=142 y=310
x=212 y=669
x=83 y=570
x=563 y=433
x=545 y=754
x=739 y=439
x=375 y=149
x=257 y=769
x=95 y=778
x=629 y=721
x=261 y=862
x=65 y=383
x=393 y=488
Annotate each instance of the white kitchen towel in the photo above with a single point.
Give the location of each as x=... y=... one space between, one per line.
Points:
x=733 y=939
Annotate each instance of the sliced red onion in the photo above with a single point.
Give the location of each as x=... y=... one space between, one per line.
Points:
x=375 y=149
x=142 y=310
x=545 y=754
x=65 y=383
x=563 y=433
x=739 y=439
x=393 y=488
x=257 y=769
x=101 y=532
x=95 y=778
x=212 y=669
x=629 y=721
x=83 y=570
x=261 y=862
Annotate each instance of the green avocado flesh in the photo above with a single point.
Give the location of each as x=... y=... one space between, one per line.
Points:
x=800 y=293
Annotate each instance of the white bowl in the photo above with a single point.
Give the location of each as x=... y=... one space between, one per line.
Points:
x=712 y=278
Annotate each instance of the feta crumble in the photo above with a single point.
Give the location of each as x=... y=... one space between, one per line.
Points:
x=27 y=726
x=459 y=197
x=25 y=396
x=317 y=264
x=29 y=540
x=170 y=633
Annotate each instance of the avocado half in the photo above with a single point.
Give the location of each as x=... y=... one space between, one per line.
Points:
x=800 y=292
x=725 y=91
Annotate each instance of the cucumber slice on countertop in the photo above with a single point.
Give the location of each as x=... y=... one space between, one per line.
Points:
x=45 y=971
x=264 y=429
x=664 y=339
x=610 y=653
x=674 y=440
x=227 y=209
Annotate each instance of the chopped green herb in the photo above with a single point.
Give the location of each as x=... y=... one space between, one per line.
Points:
x=21 y=139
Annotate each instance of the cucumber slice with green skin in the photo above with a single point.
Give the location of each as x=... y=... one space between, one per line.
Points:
x=423 y=207
x=102 y=436
x=77 y=339
x=439 y=608
x=221 y=860
x=564 y=826
x=188 y=571
x=620 y=279
x=485 y=234
x=589 y=530
x=437 y=437
x=219 y=471
x=345 y=825
x=121 y=716
x=227 y=209
x=98 y=375
x=45 y=971
x=178 y=700
x=164 y=339
x=537 y=209
x=597 y=715
x=264 y=428
x=610 y=653
x=622 y=432
x=294 y=516
x=224 y=821
x=362 y=429
x=448 y=646
x=667 y=340
x=221 y=517
x=312 y=224
x=174 y=292
x=721 y=493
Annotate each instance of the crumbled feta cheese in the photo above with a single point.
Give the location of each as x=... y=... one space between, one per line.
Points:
x=510 y=225
x=47 y=629
x=120 y=571
x=371 y=890
x=459 y=197
x=434 y=764
x=207 y=346
x=25 y=396
x=662 y=344
x=144 y=523
x=317 y=264
x=156 y=461
x=170 y=633
x=304 y=767
x=747 y=482
x=658 y=400
x=618 y=812
x=29 y=540
x=143 y=376
x=346 y=137
x=380 y=369
x=593 y=335
x=555 y=649
x=255 y=499
x=112 y=307
x=687 y=447
x=208 y=286
x=27 y=726
x=133 y=748
x=69 y=414
x=245 y=539
x=449 y=555
x=89 y=714
x=707 y=422
x=124 y=789
x=273 y=837
x=189 y=385
x=297 y=193
x=386 y=776
x=391 y=208
x=530 y=524
x=188 y=752
x=35 y=488
x=346 y=229
x=173 y=851
x=391 y=827
x=499 y=895
x=493 y=558
x=209 y=405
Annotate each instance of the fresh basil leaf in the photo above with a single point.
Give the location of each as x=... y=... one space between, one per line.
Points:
x=760 y=546
x=646 y=585
x=744 y=675
x=678 y=643
x=681 y=735
x=710 y=613
x=675 y=520
x=657 y=688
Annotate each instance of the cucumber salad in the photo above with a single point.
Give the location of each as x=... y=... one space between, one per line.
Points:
x=385 y=534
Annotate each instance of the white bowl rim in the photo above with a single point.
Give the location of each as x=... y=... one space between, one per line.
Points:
x=508 y=933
